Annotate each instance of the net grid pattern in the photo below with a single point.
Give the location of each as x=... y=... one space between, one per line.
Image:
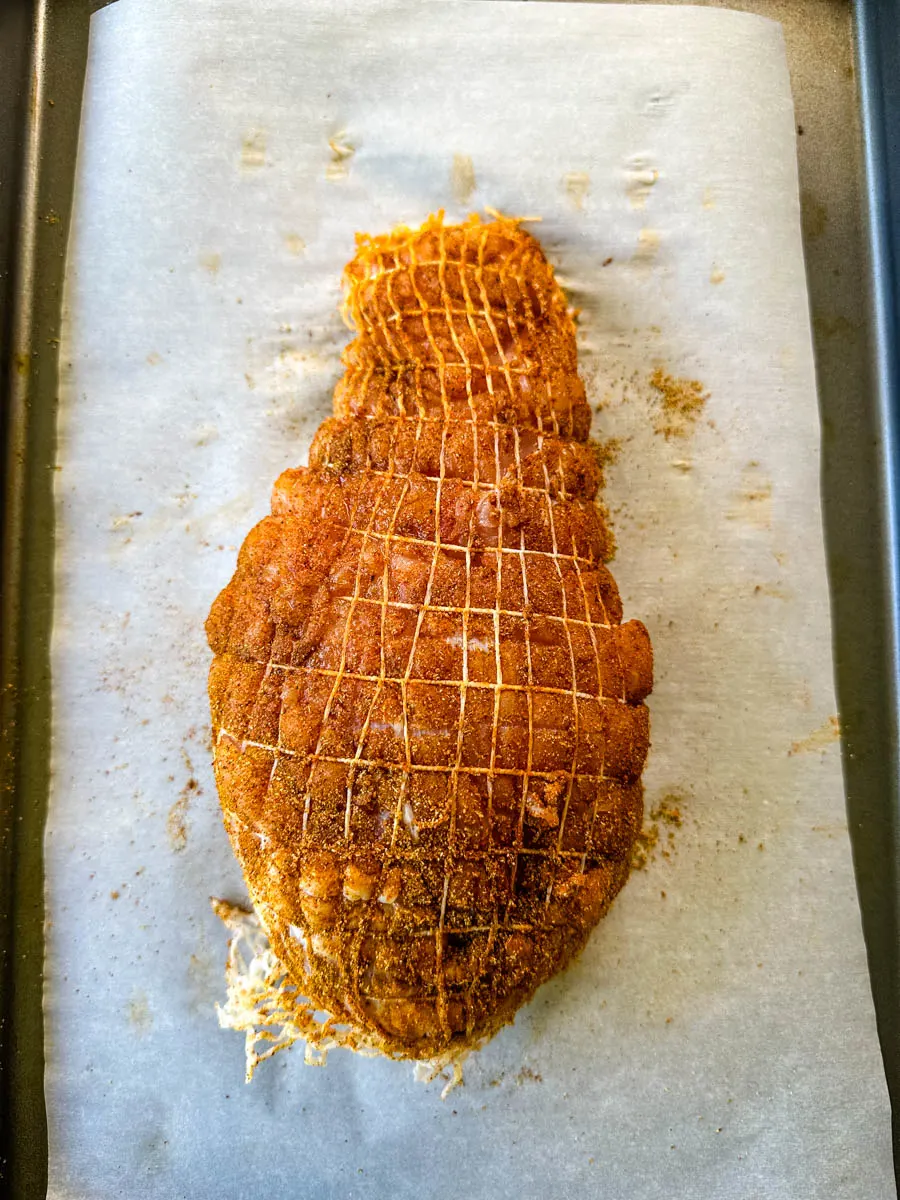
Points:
x=468 y=331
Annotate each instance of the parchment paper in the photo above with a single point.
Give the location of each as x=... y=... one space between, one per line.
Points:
x=717 y=1037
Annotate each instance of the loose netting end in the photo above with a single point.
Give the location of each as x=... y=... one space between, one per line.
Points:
x=262 y=1003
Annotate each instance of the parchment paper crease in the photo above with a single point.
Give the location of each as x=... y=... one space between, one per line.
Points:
x=717 y=1038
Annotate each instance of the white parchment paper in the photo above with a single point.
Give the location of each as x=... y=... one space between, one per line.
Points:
x=717 y=1037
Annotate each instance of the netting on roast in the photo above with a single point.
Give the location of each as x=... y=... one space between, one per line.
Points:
x=443 y=700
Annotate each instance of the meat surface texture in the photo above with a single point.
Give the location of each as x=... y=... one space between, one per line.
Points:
x=428 y=717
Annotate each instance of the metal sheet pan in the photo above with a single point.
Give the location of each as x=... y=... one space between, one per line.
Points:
x=845 y=78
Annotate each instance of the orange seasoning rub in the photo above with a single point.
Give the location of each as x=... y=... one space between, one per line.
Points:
x=681 y=401
x=428 y=715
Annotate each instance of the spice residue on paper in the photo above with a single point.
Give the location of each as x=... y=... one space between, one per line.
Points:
x=681 y=401
x=176 y=823
x=176 y=820
x=526 y=1075
x=819 y=739
x=606 y=453
x=658 y=834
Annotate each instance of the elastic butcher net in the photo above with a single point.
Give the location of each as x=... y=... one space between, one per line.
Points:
x=459 y=727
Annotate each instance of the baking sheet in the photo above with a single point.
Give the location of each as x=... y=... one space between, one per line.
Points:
x=716 y=1041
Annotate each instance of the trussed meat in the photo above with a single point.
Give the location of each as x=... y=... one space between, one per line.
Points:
x=429 y=720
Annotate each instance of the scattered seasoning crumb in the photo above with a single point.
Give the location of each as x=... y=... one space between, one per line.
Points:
x=113 y=895
x=643 y=848
x=819 y=739
x=681 y=402
x=665 y=812
x=606 y=453
x=526 y=1075
x=176 y=821
x=606 y=261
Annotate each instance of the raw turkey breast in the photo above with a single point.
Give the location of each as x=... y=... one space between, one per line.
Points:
x=428 y=716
